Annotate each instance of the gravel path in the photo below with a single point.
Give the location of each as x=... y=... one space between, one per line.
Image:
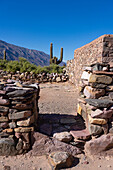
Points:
x=60 y=98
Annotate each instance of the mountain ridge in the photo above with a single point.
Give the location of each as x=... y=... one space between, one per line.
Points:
x=13 y=52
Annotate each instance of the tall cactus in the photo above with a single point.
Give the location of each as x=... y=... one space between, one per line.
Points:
x=54 y=60
x=4 y=55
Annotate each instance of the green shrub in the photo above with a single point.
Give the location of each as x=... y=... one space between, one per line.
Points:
x=25 y=66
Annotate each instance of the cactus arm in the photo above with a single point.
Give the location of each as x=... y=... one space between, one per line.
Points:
x=61 y=56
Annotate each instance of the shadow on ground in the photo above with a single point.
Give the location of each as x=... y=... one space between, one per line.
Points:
x=49 y=124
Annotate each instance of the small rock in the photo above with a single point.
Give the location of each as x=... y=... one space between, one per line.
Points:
x=63 y=136
x=60 y=160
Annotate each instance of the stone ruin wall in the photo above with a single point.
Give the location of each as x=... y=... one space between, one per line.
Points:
x=99 y=50
x=18 y=116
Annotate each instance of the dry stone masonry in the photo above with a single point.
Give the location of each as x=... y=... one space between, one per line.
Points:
x=95 y=105
x=99 y=50
x=31 y=77
x=18 y=116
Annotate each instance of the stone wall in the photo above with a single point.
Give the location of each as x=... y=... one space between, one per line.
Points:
x=99 y=50
x=18 y=116
x=32 y=77
x=95 y=105
x=96 y=99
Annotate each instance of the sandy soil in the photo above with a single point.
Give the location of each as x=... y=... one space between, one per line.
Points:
x=55 y=98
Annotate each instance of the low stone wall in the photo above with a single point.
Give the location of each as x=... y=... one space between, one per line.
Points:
x=39 y=78
x=18 y=116
x=96 y=102
x=99 y=50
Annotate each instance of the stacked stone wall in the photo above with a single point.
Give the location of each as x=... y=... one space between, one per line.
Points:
x=99 y=50
x=96 y=99
x=18 y=116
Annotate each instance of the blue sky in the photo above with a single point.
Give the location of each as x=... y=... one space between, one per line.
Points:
x=69 y=24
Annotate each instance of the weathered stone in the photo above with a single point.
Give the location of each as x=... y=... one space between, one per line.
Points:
x=99 y=145
x=97 y=120
x=26 y=122
x=111 y=95
x=4 y=110
x=93 y=93
x=99 y=102
x=58 y=79
x=19 y=145
x=94 y=129
x=19 y=93
x=80 y=134
x=22 y=106
x=63 y=136
x=44 y=145
x=9 y=131
x=98 y=86
x=7 y=147
x=12 y=125
x=3 y=119
x=4 y=124
x=109 y=88
x=2 y=92
x=100 y=79
x=87 y=68
x=24 y=129
x=105 y=128
x=19 y=115
x=105 y=114
x=85 y=75
x=67 y=121
x=4 y=102
x=60 y=160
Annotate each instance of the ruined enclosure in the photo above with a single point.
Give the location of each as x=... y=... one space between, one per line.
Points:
x=18 y=116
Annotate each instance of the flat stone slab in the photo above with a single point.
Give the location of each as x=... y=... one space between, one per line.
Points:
x=104 y=114
x=81 y=134
x=19 y=115
x=99 y=102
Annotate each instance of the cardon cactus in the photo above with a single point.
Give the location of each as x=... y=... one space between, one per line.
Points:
x=54 y=60
x=4 y=55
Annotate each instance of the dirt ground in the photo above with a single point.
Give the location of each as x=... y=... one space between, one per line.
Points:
x=58 y=98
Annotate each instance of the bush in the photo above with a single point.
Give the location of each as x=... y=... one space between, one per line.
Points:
x=25 y=66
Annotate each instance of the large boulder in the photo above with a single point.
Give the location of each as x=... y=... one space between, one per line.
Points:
x=99 y=145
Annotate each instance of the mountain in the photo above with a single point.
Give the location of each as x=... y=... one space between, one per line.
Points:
x=13 y=52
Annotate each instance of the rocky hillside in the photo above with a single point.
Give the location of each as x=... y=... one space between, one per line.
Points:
x=13 y=52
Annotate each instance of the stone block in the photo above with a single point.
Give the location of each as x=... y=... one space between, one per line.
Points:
x=24 y=129
x=19 y=115
x=26 y=122
x=100 y=103
x=63 y=136
x=100 y=79
x=93 y=93
x=97 y=121
x=4 y=102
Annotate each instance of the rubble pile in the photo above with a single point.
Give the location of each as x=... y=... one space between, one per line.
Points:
x=39 y=78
